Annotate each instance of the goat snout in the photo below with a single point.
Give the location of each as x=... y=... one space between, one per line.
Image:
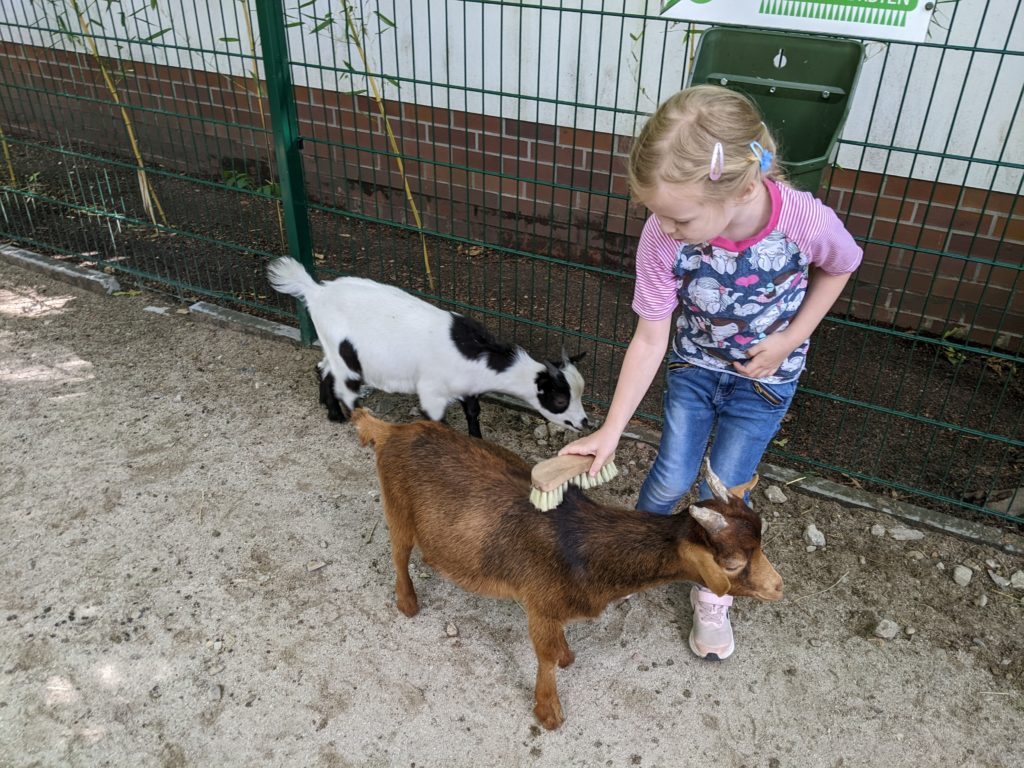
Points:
x=771 y=592
x=584 y=424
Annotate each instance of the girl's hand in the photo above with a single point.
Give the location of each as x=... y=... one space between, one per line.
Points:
x=766 y=356
x=600 y=444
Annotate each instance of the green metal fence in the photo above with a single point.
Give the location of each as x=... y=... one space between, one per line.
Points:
x=472 y=152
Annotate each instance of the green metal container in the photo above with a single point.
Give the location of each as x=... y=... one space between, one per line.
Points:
x=802 y=83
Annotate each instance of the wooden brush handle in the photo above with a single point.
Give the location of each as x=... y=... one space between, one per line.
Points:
x=554 y=472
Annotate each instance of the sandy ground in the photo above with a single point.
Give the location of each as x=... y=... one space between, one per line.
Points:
x=195 y=572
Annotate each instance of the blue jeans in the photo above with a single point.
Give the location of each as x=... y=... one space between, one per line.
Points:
x=744 y=414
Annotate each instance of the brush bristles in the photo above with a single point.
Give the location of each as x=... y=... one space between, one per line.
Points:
x=548 y=500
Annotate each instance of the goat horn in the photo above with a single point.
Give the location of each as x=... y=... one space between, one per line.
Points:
x=714 y=483
x=710 y=520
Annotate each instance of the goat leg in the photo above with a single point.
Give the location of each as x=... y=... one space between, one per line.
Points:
x=471 y=407
x=402 y=540
x=566 y=656
x=549 y=644
x=335 y=409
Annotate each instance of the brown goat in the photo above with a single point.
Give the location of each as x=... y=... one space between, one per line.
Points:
x=465 y=503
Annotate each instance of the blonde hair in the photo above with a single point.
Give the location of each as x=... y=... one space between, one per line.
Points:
x=677 y=144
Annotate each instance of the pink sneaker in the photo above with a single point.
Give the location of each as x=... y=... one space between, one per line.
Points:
x=711 y=636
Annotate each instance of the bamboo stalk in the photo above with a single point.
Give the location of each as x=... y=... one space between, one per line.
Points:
x=263 y=118
x=7 y=158
x=149 y=196
x=356 y=37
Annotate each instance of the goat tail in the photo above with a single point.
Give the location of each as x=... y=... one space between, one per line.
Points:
x=287 y=275
x=369 y=428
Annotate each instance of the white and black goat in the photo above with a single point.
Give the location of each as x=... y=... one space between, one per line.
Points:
x=381 y=336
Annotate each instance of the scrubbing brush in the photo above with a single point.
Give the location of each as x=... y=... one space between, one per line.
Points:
x=551 y=477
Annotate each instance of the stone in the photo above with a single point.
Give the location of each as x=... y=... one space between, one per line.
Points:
x=962 y=575
x=1017 y=580
x=1000 y=581
x=887 y=629
x=878 y=530
x=905 y=534
x=813 y=536
x=775 y=495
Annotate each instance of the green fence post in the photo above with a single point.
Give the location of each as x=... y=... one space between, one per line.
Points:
x=287 y=143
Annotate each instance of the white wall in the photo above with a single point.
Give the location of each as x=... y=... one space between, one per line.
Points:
x=550 y=60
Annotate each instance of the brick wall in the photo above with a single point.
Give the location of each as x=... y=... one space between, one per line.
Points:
x=936 y=256
x=540 y=188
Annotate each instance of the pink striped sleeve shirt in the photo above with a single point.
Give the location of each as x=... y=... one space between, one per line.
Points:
x=798 y=216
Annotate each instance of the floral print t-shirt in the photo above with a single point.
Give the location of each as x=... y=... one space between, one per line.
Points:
x=731 y=295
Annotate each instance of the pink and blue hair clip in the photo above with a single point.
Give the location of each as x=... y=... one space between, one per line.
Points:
x=717 y=162
x=762 y=155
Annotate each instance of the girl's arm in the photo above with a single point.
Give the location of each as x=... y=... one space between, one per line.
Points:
x=823 y=288
x=642 y=361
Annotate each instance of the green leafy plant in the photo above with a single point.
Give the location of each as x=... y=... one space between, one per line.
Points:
x=242 y=180
x=953 y=354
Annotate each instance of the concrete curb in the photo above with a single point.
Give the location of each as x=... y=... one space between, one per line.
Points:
x=243 y=322
x=809 y=484
x=89 y=279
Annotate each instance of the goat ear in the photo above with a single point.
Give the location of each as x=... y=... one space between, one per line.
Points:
x=718 y=489
x=740 y=491
x=567 y=358
x=711 y=521
x=711 y=574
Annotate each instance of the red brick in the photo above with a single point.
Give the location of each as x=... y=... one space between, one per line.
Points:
x=540 y=172
x=967 y=245
x=917 y=237
x=620 y=185
x=986 y=200
x=1010 y=229
x=858 y=226
x=882 y=230
x=877 y=254
x=881 y=207
x=856 y=181
x=600 y=162
x=581 y=138
x=466 y=158
x=455 y=138
x=474 y=121
x=521 y=129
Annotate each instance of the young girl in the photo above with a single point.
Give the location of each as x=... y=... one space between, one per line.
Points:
x=753 y=266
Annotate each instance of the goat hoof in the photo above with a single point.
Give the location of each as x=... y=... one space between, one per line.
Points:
x=567 y=658
x=549 y=714
x=409 y=607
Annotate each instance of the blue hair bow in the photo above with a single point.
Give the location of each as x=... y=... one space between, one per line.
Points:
x=762 y=155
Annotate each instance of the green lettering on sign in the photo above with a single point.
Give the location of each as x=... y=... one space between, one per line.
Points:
x=890 y=13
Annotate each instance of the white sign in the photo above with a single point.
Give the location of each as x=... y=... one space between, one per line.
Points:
x=905 y=20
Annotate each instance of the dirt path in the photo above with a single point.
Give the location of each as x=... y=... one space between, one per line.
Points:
x=195 y=572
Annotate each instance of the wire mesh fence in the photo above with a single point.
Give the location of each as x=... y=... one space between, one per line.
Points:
x=472 y=151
